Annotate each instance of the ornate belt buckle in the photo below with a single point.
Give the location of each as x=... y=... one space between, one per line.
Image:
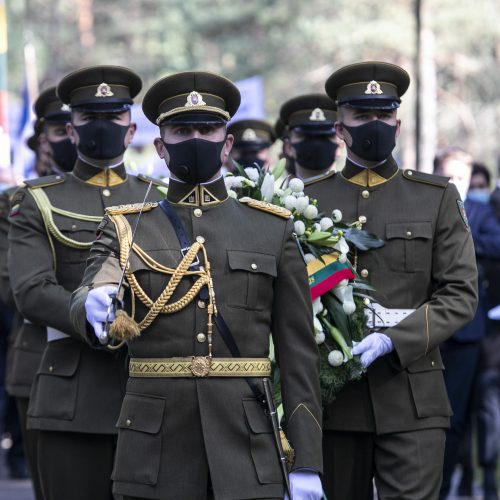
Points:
x=200 y=366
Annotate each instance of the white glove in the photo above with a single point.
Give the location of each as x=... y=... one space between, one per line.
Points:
x=494 y=313
x=97 y=308
x=372 y=347
x=305 y=485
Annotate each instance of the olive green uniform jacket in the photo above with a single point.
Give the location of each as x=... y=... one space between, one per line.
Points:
x=427 y=264
x=175 y=432
x=77 y=388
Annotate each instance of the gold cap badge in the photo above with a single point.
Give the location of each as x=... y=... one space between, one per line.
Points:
x=104 y=90
x=195 y=99
x=317 y=115
x=373 y=88
x=249 y=135
x=65 y=108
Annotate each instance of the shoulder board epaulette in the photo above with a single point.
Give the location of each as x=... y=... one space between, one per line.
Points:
x=313 y=180
x=156 y=182
x=132 y=208
x=434 y=180
x=48 y=180
x=266 y=207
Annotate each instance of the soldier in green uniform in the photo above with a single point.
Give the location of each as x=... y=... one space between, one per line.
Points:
x=28 y=341
x=311 y=142
x=252 y=142
x=191 y=426
x=77 y=391
x=391 y=424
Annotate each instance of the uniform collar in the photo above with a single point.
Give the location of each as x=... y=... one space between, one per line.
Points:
x=369 y=177
x=99 y=176
x=317 y=178
x=210 y=193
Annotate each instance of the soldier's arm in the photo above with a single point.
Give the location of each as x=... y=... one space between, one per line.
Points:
x=5 y=289
x=103 y=268
x=454 y=297
x=297 y=356
x=487 y=235
x=37 y=293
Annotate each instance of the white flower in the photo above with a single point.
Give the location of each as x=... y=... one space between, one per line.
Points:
x=326 y=223
x=317 y=227
x=342 y=258
x=248 y=182
x=232 y=194
x=301 y=203
x=309 y=257
x=310 y=212
x=317 y=306
x=339 y=290
x=318 y=327
x=320 y=338
x=252 y=173
x=267 y=187
x=296 y=185
x=335 y=358
x=299 y=227
x=337 y=215
x=229 y=181
x=238 y=181
x=341 y=245
x=290 y=202
x=298 y=194
x=280 y=192
x=349 y=306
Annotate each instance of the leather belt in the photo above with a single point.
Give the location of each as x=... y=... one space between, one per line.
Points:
x=199 y=366
x=381 y=317
x=54 y=334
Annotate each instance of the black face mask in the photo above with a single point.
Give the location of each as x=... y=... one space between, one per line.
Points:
x=373 y=141
x=102 y=139
x=196 y=160
x=315 y=154
x=64 y=154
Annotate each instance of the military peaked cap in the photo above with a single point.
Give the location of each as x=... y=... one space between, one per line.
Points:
x=48 y=107
x=252 y=133
x=280 y=129
x=100 y=88
x=194 y=96
x=314 y=113
x=369 y=85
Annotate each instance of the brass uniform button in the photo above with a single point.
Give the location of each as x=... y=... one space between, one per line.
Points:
x=73 y=227
x=433 y=363
x=410 y=173
x=51 y=368
x=253 y=266
x=408 y=233
x=197 y=212
x=128 y=422
x=200 y=239
x=364 y=273
x=106 y=192
x=201 y=304
x=201 y=337
x=365 y=194
x=362 y=219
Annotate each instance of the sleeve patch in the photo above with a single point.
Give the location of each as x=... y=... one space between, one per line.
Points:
x=461 y=209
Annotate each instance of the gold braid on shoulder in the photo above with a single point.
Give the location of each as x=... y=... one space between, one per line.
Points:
x=125 y=327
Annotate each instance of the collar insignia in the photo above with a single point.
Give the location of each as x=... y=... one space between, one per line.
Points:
x=373 y=88
x=195 y=99
x=317 y=115
x=249 y=135
x=65 y=108
x=104 y=90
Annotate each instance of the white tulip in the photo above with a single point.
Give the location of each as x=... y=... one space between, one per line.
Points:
x=267 y=187
x=349 y=306
x=342 y=258
x=299 y=227
x=317 y=306
x=238 y=181
x=310 y=212
x=335 y=358
x=325 y=223
x=318 y=327
x=252 y=173
x=320 y=338
x=229 y=181
x=296 y=185
x=280 y=192
x=341 y=245
x=232 y=194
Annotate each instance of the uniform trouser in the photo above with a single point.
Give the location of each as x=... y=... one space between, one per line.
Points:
x=30 y=440
x=405 y=465
x=76 y=466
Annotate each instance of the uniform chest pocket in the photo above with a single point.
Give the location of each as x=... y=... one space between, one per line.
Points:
x=251 y=276
x=409 y=245
x=79 y=230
